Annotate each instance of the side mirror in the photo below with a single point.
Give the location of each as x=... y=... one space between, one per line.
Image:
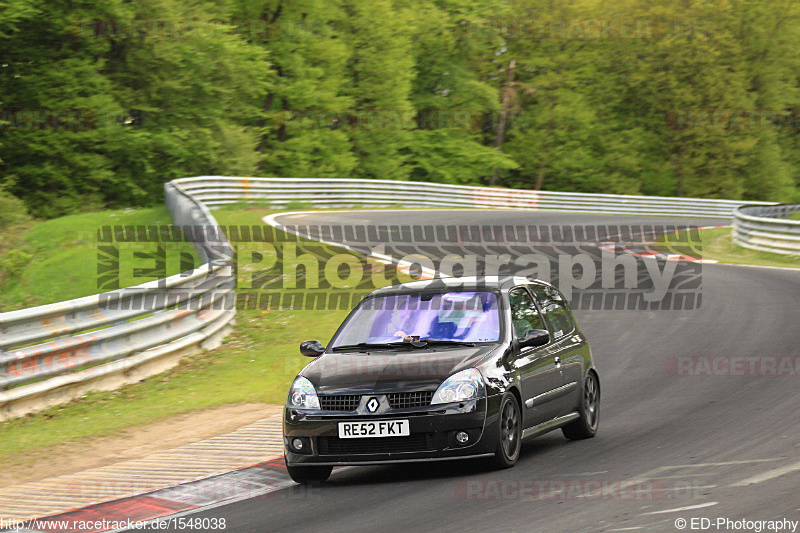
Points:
x=311 y=348
x=535 y=337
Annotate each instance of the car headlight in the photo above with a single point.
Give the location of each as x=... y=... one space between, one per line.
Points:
x=460 y=387
x=302 y=395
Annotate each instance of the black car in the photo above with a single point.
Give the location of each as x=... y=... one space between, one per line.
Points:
x=443 y=369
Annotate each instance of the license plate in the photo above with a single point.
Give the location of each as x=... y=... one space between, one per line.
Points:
x=378 y=428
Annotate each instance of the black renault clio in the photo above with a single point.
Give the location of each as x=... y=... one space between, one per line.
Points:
x=443 y=369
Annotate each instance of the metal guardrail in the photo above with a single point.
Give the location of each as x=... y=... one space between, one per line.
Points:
x=215 y=191
x=767 y=228
x=52 y=353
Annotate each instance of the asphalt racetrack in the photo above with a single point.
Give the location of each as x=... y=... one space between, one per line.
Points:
x=704 y=440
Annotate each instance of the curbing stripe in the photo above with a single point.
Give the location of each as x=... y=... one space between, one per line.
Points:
x=258 y=480
x=248 y=445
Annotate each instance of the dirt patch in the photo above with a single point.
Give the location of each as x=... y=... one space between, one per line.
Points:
x=83 y=454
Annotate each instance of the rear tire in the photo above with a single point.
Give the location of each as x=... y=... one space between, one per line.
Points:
x=309 y=474
x=585 y=427
x=509 y=432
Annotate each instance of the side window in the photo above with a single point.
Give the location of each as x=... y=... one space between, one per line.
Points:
x=524 y=315
x=555 y=310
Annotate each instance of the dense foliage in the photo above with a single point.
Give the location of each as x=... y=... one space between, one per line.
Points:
x=102 y=101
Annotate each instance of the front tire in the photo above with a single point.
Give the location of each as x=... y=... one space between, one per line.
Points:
x=309 y=474
x=585 y=427
x=509 y=438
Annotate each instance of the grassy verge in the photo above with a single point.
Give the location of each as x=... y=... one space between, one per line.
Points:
x=255 y=364
x=57 y=260
x=717 y=244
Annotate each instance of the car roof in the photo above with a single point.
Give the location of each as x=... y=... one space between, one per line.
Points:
x=466 y=283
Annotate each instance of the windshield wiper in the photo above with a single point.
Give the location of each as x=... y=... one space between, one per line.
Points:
x=362 y=345
x=447 y=342
x=422 y=343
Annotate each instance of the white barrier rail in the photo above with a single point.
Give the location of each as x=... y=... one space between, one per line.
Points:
x=216 y=191
x=767 y=228
x=53 y=353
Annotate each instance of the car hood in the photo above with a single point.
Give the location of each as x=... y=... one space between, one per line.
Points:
x=390 y=370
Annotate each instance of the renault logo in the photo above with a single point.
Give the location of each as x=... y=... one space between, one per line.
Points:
x=372 y=405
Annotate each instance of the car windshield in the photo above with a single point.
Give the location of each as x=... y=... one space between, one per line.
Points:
x=452 y=317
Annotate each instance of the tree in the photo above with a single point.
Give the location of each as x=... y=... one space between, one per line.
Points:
x=452 y=97
x=299 y=129
x=112 y=113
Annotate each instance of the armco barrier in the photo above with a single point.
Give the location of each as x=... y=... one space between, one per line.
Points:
x=280 y=192
x=767 y=228
x=53 y=353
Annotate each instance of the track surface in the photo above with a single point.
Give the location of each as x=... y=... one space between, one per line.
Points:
x=692 y=437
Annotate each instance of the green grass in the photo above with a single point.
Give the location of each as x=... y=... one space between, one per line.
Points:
x=256 y=363
x=717 y=244
x=795 y=216
x=60 y=257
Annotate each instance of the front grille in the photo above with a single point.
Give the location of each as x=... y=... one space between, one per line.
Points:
x=417 y=442
x=339 y=402
x=404 y=400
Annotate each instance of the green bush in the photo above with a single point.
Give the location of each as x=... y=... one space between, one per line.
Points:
x=12 y=263
x=13 y=219
x=12 y=210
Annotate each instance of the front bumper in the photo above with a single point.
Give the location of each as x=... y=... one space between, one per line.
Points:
x=432 y=429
